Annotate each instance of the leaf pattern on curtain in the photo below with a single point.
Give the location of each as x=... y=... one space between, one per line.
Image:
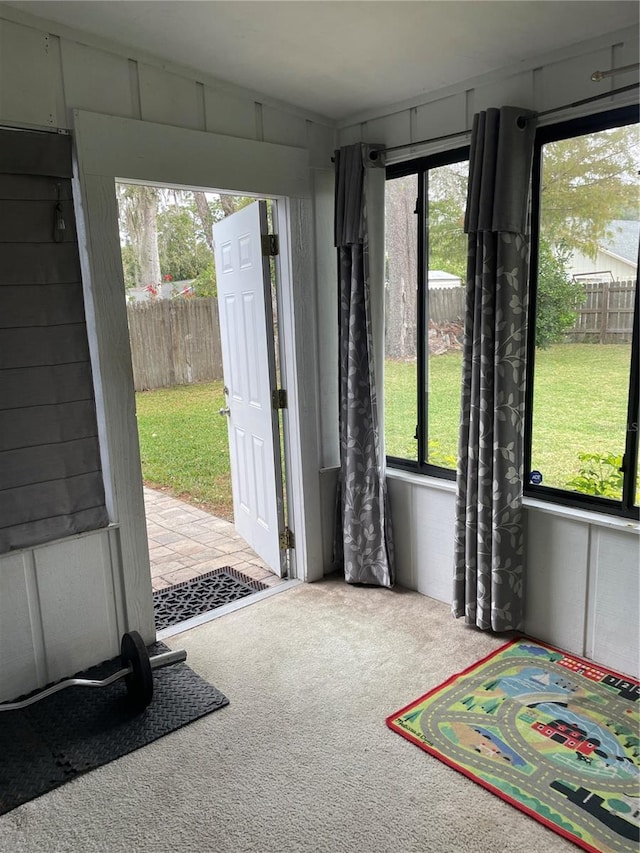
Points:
x=489 y=535
x=363 y=541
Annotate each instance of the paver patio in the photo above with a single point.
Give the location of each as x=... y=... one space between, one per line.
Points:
x=185 y=542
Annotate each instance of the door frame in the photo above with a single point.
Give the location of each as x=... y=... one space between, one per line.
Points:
x=110 y=148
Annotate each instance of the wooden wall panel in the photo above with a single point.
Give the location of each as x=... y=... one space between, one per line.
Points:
x=283 y=128
x=570 y=80
x=168 y=99
x=614 y=624
x=96 y=80
x=321 y=141
x=514 y=91
x=79 y=622
x=446 y=115
x=21 y=663
x=389 y=130
x=28 y=76
x=556 y=589
x=225 y=113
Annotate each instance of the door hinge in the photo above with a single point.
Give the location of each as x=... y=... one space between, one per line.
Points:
x=270 y=245
x=279 y=399
x=286 y=540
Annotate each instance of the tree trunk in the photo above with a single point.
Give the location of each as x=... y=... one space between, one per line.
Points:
x=148 y=245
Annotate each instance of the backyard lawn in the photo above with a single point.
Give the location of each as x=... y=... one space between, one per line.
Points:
x=580 y=406
x=184 y=446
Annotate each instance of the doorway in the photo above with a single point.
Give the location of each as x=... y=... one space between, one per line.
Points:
x=192 y=372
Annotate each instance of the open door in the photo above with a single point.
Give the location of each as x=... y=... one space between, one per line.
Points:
x=248 y=361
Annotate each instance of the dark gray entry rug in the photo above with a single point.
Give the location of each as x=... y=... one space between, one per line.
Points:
x=81 y=728
x=191 y=598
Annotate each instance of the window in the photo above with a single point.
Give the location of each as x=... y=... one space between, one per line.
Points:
x=582 y=408
x=425 y=268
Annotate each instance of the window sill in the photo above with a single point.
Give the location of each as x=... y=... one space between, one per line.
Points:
x=596 y=518
x=571 y=513
x=421 y=480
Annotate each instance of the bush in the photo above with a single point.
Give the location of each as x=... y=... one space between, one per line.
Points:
x=558 y=297
x=599 y=474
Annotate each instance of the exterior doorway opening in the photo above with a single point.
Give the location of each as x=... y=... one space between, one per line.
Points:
x=216 y=532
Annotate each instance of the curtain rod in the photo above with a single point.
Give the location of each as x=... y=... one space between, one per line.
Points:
x=373 y=155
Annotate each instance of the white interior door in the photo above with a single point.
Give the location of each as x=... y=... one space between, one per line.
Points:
x=248 y=360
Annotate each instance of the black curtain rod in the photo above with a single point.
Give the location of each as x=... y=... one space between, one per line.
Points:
x=373 y=155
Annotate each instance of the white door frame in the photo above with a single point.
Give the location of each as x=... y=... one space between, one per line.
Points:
x=110 y=148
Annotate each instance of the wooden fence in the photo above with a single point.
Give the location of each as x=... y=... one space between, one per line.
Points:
x=174 y=342
x=606 y=315
x=446 y=304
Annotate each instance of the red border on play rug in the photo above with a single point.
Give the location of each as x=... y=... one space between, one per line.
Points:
x=469 y=773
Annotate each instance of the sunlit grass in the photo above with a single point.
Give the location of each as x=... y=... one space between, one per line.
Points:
x=580 y=402
x=184 y=444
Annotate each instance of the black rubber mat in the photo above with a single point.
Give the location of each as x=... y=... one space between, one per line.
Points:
x=80 y=728
x=191 y=598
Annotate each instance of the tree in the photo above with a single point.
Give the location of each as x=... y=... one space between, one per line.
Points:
x=138 y=211
x=167 y=234
x=558 y=296
x=586 y=182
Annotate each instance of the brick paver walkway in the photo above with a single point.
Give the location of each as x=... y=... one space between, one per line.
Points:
x=185 y=542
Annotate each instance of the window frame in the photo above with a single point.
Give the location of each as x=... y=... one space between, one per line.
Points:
x=420 y=167
x=625 y=507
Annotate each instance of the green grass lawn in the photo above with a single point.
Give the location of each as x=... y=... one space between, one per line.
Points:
x=580 y=405
x=580 y=402
x=184 y=445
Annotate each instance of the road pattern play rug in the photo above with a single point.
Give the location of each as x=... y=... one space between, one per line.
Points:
x=550 y=733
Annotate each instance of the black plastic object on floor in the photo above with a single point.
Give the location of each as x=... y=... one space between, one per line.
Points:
x=80 y=728
x=191 y=598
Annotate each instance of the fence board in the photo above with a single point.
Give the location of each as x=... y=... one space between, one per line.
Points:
x=174 y=342
x=606 y=315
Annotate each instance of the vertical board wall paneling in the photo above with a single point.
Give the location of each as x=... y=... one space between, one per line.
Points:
x=225 y=113
x=283 y=128
x=389 y=130
x=28 y=76
x=613 y=634
x=516 y=90
x=21 y=648
x=446 y=115
x=78 y=609
x=563 y=82
x=403 y=522
x=556 y=595
x=96 y=80
x=166 y=98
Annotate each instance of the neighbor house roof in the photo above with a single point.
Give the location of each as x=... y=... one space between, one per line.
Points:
x=623 y=240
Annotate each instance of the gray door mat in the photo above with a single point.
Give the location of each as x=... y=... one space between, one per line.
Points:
x=81 y=728
x=191 y=598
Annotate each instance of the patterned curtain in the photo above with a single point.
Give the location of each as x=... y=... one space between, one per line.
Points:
x=489 y=536
x=363 y=541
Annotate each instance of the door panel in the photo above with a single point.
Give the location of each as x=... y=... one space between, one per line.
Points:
x=248 y=358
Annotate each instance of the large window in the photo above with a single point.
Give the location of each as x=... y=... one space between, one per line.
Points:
x=582 y=412
x=425 y=267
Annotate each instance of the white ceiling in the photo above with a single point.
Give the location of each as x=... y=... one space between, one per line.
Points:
x=343 y=57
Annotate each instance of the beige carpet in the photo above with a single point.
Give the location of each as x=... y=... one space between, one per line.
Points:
x=301 y=760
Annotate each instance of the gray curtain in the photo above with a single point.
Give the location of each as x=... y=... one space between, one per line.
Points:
x=50 y=472
x=489 y=537
x=363 y=541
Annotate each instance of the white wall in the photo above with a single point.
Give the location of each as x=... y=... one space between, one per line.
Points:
x=582 y=591
x=64 y=606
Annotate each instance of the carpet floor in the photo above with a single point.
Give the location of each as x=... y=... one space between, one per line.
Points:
x=301 y=761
